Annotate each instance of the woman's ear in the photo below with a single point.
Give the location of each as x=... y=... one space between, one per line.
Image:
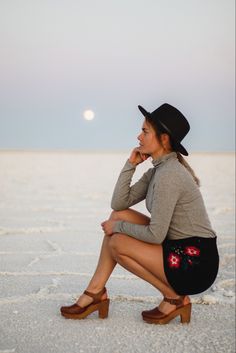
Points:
x=165 y=140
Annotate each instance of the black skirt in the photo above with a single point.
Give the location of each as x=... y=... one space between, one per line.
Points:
x=190 y=264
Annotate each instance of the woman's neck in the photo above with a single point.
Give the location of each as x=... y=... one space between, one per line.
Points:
x=159 y=154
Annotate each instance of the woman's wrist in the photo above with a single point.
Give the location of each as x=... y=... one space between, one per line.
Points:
x=133 y=163
x=116 y=227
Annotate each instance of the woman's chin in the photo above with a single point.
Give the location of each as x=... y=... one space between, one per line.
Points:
x=143 y=150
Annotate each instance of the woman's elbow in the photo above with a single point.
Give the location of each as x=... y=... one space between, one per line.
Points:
x=119 y=203
x=156 y=237
x=154 y=240
x=116 y=206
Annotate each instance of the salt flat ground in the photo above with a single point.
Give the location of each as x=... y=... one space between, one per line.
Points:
x=51 y=207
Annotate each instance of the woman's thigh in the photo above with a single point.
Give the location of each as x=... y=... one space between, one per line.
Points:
x=130 y=215
x=149 y=256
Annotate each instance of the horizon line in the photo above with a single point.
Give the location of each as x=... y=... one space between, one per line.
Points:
x=76 y=150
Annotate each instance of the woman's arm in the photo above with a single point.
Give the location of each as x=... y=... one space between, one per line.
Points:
x=124 y=195
x=165 y=195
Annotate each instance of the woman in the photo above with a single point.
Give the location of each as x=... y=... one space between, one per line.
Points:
x=175 y=249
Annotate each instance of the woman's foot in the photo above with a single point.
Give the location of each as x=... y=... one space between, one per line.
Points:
x=166 y=307
x=85 y=300
x=87 y=304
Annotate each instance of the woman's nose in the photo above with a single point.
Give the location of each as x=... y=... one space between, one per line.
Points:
x=139 y=137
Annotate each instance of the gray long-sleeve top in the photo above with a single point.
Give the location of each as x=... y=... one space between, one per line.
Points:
x=172 y=198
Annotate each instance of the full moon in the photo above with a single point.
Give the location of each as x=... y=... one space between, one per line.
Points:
x=88 y=114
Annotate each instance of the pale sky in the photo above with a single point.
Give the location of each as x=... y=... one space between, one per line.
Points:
x=61 y=57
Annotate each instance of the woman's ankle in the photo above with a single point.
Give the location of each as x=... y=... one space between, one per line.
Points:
x=96 y=290
x=185 y=298
x=85 y=299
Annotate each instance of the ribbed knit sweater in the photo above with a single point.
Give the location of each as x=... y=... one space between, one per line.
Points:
x=172 y=198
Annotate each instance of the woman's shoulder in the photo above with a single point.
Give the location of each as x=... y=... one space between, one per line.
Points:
x=170 y=167
x=174 y=170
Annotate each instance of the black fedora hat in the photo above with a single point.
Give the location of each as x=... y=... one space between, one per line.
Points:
x=172 y=121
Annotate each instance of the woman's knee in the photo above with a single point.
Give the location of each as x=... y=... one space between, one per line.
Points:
x=117 y=215
x=130 y=215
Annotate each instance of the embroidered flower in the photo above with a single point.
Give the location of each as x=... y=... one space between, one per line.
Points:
x=174 y=260
x=192 y=251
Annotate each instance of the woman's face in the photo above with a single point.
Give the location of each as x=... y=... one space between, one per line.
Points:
x=148 y=141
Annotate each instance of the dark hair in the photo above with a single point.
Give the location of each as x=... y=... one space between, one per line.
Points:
x=159 y=130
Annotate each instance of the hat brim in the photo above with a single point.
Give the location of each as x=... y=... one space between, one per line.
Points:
x=143 y=111
x=178 y=147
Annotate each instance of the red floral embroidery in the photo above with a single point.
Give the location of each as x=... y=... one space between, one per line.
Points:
x=174 y=260
x=192 y=251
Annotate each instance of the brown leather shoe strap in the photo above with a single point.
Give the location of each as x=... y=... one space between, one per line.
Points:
x=96 y=296
x=177 y=302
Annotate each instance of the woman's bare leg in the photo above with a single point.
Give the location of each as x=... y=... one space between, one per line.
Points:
x=145 y=261
x=153 y=272
x=106 y=262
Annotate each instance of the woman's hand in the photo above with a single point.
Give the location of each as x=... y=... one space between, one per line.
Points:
x=107 y=227
x=137 y=157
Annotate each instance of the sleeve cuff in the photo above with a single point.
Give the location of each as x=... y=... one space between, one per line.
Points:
x=129 y=165
x=117 y=227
